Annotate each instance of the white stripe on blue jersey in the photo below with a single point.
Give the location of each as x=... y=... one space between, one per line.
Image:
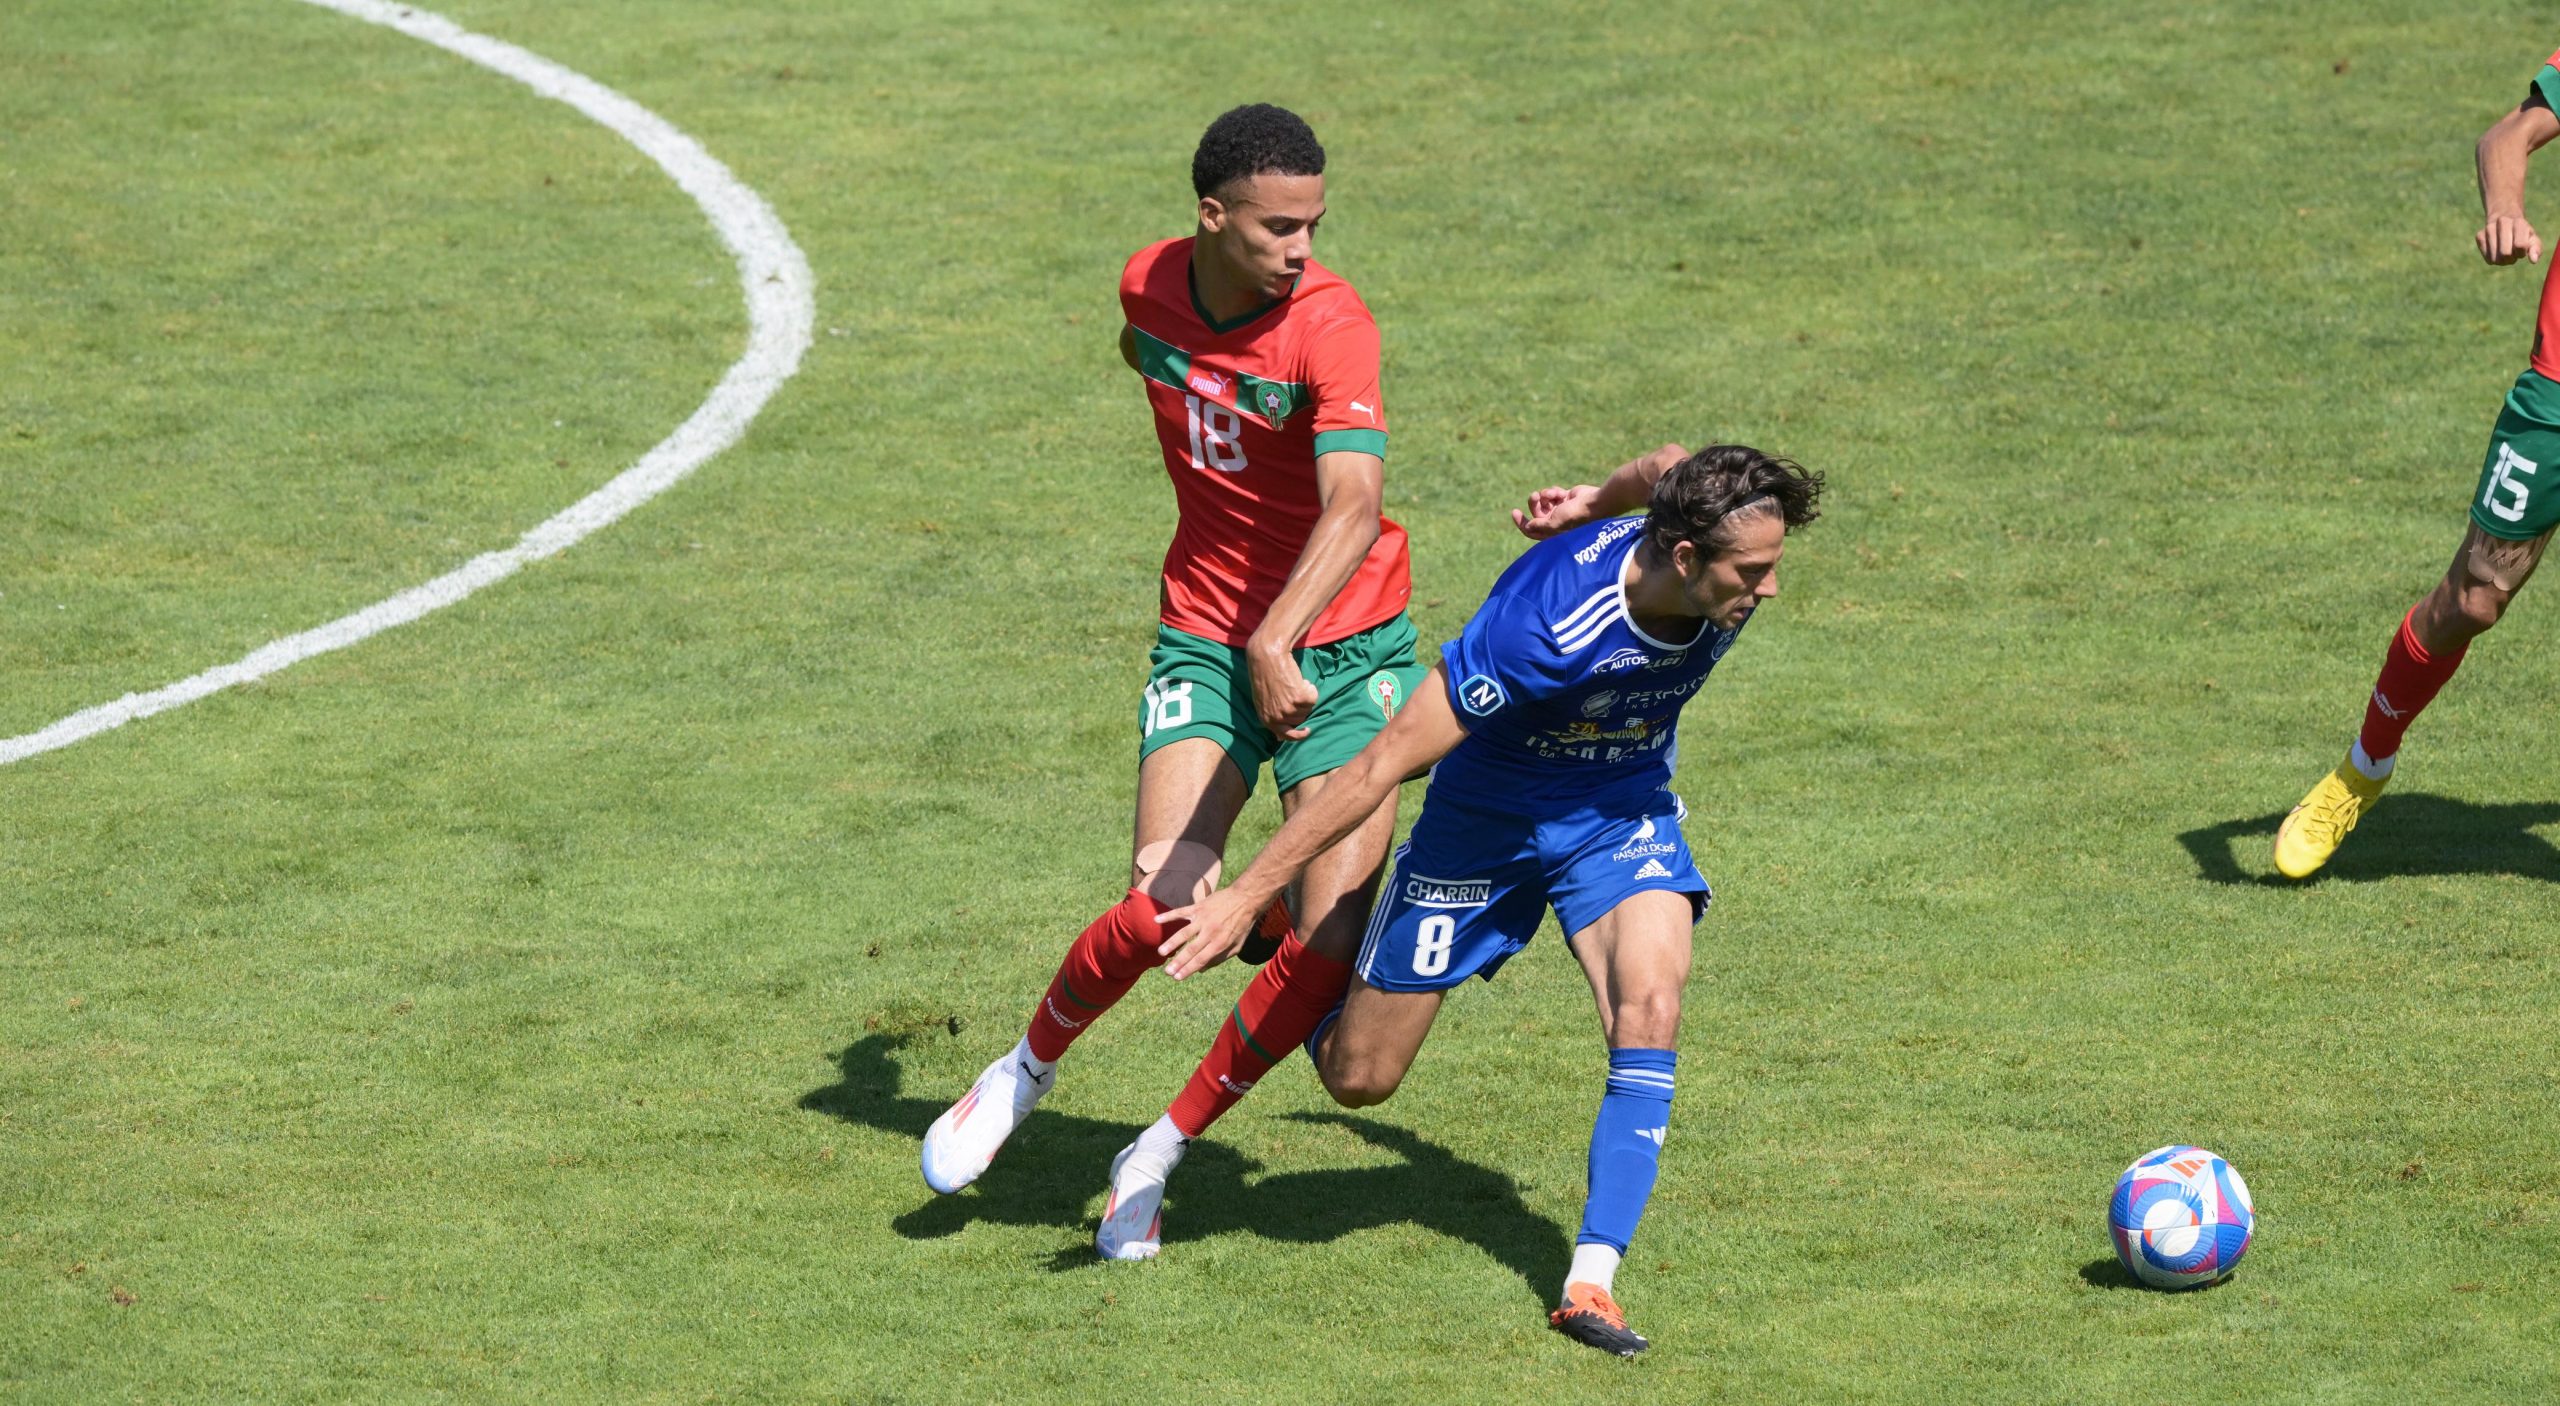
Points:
x=1604 y=596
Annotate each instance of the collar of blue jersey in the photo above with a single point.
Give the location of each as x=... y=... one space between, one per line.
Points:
x=1627 y=612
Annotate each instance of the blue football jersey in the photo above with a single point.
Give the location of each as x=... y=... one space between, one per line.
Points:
x=1567 y=704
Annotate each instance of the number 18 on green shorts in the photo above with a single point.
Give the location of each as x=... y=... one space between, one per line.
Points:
x=1201 y=688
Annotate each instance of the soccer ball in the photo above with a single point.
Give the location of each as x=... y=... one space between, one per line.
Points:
x=2181 y=1217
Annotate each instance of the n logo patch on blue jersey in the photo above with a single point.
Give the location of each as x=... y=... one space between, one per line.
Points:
x=1481 y=696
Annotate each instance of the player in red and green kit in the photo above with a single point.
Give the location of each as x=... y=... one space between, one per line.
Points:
x=2514 y=507
x=1284 y=640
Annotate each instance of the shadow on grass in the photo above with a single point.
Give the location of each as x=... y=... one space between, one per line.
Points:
x=1057 y=1162
x=2405 y=835
x=2110 y=1273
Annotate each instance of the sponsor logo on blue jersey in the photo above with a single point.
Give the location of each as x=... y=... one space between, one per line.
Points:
x=1447 y=893
x=1617 y=528
x=1481 y=696
x=1642 y=844
x=1629 y=658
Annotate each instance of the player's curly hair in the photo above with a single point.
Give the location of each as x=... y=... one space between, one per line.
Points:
x=1703 y=497
x=1254 y=140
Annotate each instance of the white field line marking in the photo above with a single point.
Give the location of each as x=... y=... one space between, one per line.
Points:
x=781 y=309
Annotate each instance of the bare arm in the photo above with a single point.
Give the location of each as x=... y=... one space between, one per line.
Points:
x=1627 y=488
x=1129 y=345
x=1350 y=486
x=1424 y=732
x=2505 y=236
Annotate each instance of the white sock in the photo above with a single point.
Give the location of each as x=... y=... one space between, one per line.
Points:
x=1040 y=1068
x=1157 y=1149
x=2367 y=767
x=1596 y=1265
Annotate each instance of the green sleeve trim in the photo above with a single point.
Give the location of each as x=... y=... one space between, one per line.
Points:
x=1160 y=361
x=1357 y=441
x=2547 y=83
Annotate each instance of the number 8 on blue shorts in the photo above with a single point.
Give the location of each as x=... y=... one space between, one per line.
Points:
x=1470 y=887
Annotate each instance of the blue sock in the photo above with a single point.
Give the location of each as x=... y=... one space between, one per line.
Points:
x=1626 y=1145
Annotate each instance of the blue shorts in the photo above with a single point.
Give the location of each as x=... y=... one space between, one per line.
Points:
x=1469 y=887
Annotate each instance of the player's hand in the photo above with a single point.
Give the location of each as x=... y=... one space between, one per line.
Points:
x=2506 y=238
x=1208 y=932
x=1282 y=697
x=1552 y=510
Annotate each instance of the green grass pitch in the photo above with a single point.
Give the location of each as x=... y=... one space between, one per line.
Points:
x=543 y=1001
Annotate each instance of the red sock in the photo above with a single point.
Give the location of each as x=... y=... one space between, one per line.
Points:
x=1104 y=962
x=1278 y=1011
x=2410 y=678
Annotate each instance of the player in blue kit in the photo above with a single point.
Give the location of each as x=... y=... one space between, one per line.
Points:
x=1552 y=722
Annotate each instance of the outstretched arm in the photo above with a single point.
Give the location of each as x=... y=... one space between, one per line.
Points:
x=1628 y=487
x=1211 y=930
x=2505 y=235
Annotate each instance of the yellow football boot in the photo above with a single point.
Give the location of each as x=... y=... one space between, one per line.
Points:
x=2311 y=833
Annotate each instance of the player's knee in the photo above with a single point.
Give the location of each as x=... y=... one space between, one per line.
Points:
x=1646 y=1019
x=1361 y=1091
x=1358 y=1083
x=1176 y=872
x=2479 y=604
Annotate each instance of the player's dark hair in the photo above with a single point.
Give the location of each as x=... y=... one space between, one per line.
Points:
x=1253 y=140
x=1695 y=500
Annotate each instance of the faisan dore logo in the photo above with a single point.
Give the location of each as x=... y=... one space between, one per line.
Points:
x=1387 y=691
x=1643 y=845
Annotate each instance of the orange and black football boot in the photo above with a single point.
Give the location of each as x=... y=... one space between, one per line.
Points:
x=1590 y=1316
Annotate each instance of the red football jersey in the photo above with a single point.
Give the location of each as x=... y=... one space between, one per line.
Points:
x=1243 y=408
x=2546 y=322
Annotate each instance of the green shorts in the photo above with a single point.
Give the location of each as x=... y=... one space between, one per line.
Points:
x=1200 y=688
x=2513 y=500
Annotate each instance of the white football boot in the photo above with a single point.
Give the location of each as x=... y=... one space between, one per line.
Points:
x=960 y=1144
x=1133 y=1219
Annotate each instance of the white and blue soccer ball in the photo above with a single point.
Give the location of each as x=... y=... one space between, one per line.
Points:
x=2181 y=1217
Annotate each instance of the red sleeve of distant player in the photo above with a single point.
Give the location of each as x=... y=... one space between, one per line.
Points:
x=1343 y=365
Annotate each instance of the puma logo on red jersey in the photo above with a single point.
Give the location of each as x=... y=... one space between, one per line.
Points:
x=1210 y=383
